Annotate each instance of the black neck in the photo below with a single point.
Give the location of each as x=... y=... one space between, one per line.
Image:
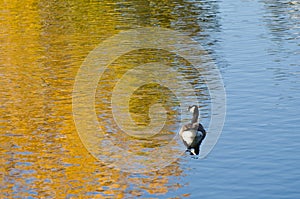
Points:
x=195 y=115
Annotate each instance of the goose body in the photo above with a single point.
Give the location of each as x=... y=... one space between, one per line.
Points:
x=192 y=134
x=188 y=136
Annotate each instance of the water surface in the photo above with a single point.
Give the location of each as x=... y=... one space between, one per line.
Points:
x=255 y=45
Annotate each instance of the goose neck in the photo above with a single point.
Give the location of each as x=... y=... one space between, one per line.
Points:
x=195 y=115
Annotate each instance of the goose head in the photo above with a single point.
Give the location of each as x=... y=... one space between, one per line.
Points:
x=193 y=108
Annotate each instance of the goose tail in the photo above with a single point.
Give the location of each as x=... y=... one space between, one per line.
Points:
x=197 y=150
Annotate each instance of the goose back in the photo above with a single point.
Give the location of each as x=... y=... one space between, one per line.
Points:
x=192 y=134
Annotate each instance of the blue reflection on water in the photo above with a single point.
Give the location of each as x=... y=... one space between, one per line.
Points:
x=257 y=155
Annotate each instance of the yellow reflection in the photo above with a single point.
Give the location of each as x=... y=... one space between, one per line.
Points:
x=43 y=44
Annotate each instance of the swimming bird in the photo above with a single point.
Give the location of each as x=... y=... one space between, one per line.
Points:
x=192 y=134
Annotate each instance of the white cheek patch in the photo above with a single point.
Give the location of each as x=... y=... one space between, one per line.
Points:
x=192 y=109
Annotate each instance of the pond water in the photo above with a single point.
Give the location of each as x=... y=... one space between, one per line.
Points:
x=44 y=44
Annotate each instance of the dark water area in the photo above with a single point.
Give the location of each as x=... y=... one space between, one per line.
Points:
x=255 y=45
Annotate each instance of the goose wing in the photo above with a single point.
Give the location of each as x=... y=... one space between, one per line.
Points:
x=201 y=129
x=198 y=139
x=188 y=133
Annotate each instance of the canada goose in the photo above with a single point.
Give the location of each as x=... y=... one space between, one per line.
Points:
x=192 y=134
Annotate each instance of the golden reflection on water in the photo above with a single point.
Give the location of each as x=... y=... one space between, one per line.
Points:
x=43 y=44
